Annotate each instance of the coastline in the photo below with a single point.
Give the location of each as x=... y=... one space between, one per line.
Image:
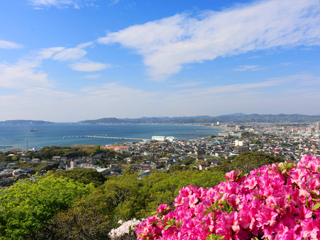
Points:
x=70 y=134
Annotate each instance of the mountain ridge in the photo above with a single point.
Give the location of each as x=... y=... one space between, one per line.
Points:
x=229 y=118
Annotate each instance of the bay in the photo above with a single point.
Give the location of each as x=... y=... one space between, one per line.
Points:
x=66 y=134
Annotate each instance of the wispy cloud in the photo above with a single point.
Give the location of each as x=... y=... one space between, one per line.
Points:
x=112 y=2
x=48 y=52
x=187 y=84
x=40 y=91
x=253 y=57
x=89 y=66
x=72 y=53
x=170 y=43
x=22 y=75
x=273 y=95
x=247 y=67
x=286 y=64
x=9 y=45
x=39 y=4
x=93 y=76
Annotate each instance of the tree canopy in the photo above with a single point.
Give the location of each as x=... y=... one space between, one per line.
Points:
x=82 y=175
x=27 y=207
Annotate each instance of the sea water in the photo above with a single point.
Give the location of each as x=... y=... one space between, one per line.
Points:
x=70 y=134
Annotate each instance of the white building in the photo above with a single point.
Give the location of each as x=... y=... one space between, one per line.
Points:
x=170 y=139
x=238 y=143
x=159 y=138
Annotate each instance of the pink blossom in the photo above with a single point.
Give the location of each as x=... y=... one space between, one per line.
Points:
x=268 y=204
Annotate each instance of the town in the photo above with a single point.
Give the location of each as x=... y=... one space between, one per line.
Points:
x=287 y=141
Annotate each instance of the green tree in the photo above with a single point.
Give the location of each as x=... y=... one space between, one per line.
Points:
x=87 y=218
x=15 y=158
x=27 y=207
x=255 y=141
x=248 y=161
x=82 y=175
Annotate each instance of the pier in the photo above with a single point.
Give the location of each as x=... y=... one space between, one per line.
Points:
x=14 y=148
x=105 y=137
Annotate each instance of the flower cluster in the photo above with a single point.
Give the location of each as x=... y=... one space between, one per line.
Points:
x=276 y=202
x=125 y=231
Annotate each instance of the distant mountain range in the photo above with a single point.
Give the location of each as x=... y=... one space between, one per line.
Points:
x=25 y=122
x=231 y=118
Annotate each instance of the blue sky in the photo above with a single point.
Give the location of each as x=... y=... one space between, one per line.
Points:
x=71 y=60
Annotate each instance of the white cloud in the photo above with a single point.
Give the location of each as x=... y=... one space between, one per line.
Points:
x=114 y=2
x=187 y=84
x=92 y=76
x=23 y=74
x=39 y=4
x=9 y=45
x=246 y=67
x=72 y=53
x=49 y=52
x=274 y=95
x=89 y=66
x=48 y=92
x=170 y=43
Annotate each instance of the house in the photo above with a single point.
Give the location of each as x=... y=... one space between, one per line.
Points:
x=115 y=168
x=35 y=160
x=99 y=156
x=24 y=159
x=5 y=175
x=198 y=159
x=202 y=167
x=56 y=158
x=147 y=153
x=134 y=167
x=6 y=181
x=8 y=170
x=64 y=159
x=103 y=171
x=10 y=165
x=146 y=161
x=44 y=161
x=3 y=165
x=158 y=138
x=30 y=171
x=18 y=172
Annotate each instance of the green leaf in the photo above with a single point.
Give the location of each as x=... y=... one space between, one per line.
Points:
x=214 y=237
x=315 y=207
x=166 y=227
x=257 y=196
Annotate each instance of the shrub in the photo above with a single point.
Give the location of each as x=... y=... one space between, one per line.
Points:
x=125 y=231
x=275 y=202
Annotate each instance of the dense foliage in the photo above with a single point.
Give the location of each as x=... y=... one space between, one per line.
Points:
x=82 y=175
x=28 y=206
x=275 y=202
x=131 y=197
x=63 y=205
x=247 y=161
x=87 y=218
x=38 y=167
